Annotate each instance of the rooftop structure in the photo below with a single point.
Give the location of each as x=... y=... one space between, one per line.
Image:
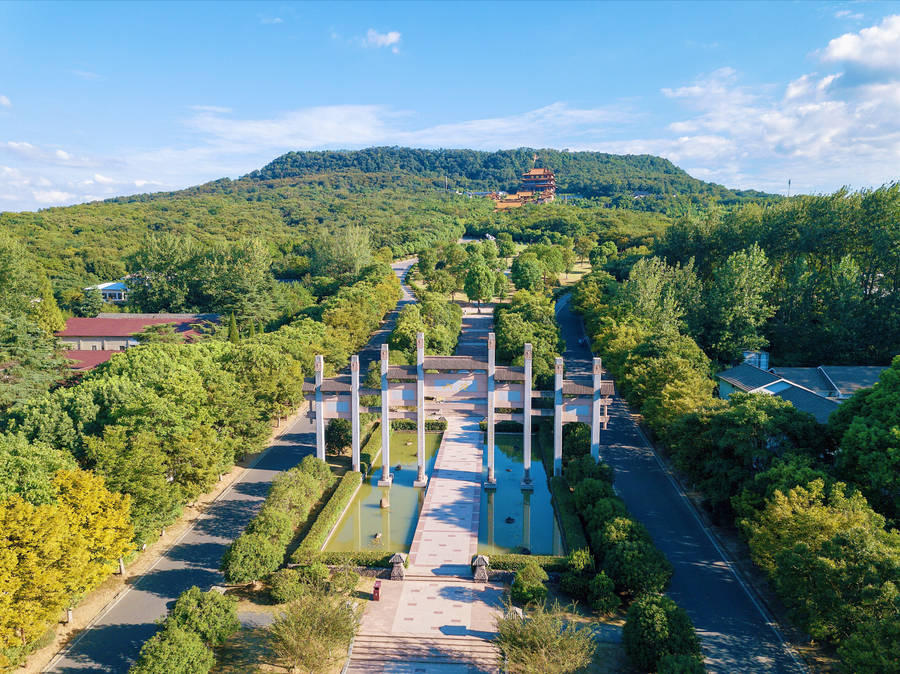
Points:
x=115 y=291
x=117 y=332
x=817 y=390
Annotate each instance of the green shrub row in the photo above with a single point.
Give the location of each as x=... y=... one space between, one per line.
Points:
x=412 y=425
x=318 y=533
x=261 y=548
x=369 y=452
x=198 y=622
x=368 y=558
x=573 y=532
x=505 y=426
x=514 y=562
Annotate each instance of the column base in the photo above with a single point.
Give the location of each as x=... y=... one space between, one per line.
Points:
x=386 y=482
x=490 y=484
x=527 y=486
x=421 y=483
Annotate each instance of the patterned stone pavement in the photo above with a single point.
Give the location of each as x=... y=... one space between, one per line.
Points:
x=446 y=536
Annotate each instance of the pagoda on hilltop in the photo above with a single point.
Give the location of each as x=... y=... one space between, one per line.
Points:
x=540 y=181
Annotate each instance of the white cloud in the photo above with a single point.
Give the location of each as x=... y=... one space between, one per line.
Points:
x=876 y=47
x=271 y=21
x=52 y=197
x=87 y=75
x=847 y=14
x=5 y=102
x=375 y=39
x=103 y=180
x=34 y=153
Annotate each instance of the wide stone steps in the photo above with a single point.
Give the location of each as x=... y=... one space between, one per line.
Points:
x=416 y=652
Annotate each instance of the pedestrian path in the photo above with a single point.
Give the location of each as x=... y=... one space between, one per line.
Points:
x=446 y=536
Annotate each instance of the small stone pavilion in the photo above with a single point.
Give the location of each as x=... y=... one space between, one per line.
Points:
x=438 y=386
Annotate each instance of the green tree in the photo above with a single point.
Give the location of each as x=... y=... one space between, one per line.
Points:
x=528 y=585
x=527 y=273
x=584 y=245
x=313 y=632
x=211 y=615
x=544 y=641
x=655 y=627
x=44 y=310
x=338 y=436
x=234 y=336
x=738 y=303
x=479 y=284
x=250 y=558
x=174 y=650
x=505 y=244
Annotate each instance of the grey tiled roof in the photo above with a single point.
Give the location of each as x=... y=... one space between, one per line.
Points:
x=748 y=377
x=850 y=378
x=807 y=401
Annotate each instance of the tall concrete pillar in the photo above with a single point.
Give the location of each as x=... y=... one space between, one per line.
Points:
x=526 y=420
x=557 y=416
x=320 y=410
x=596 y=410
x=491 y=477
x=421 y=480
x=386 y=476
x=354 y=410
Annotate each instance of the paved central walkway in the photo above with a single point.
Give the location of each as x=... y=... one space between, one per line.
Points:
x=446 y=536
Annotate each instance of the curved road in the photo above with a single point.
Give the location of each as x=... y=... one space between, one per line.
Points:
x=734 y=630
x=111 y=643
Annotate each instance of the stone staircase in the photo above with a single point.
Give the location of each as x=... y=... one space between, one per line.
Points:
x=408 y=653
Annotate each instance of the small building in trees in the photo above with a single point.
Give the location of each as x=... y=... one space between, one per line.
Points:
x=115 y=291
x=91 y=341
x=817 y=390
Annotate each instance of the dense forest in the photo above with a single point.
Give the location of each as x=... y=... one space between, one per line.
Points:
x=637 y=178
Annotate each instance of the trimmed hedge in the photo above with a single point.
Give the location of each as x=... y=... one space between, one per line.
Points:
x=514 y=562
x=573 y=532
x=411 y=425
x=369 y=558
x=505 y=426
x=261 y=548
x=329 y=515
x=369 y=452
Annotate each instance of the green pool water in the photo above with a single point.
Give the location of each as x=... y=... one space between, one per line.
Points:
x=533 y=524
x=365 y=517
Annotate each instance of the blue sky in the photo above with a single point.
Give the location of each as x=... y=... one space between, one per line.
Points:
x=103 y=99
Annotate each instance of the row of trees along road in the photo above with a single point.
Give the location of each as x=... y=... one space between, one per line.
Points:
x=91 y=472
x=475 y=269
x=832 y=558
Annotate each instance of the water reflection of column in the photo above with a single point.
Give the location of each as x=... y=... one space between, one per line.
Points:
x=320 y=410
x=558 y=416
x=386 y=520
x=354 y=410
x=526 y=420
x=490 y=518
x=359 y=527
x=526 y=519
x=420 y=410
x=385 y=421
x=491 y=478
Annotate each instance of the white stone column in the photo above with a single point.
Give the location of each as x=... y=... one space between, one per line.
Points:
x=557 y=416
x=526 y=419
x=320 y=410
x=491 y=482
x=595 y=410
x=421 y=480
x=354 y=410
x=386 y=476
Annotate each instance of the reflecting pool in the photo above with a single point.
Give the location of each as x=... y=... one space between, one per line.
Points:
x=368 y=526
x=512 y=519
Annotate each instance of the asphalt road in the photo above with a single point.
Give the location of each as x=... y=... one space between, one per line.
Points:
x=112 y=642
x=735 y=634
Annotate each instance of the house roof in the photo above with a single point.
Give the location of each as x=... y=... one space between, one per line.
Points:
x=829 y=380
x=125 y=325
x=112 y=285
x=748 y=377
x=537 y=172
x=88 y=360
x=807 y=401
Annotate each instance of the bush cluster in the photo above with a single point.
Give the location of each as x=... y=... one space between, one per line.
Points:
x=656 y=627
x=528 y=585
x=198 y=622
x=260 y=549
x=431 y=425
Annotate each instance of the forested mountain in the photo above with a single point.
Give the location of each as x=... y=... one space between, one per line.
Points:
x=589 y=174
